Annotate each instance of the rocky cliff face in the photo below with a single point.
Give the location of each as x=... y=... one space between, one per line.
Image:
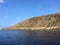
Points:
x=50 y=21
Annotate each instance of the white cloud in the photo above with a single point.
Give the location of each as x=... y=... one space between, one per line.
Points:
x=2 y=1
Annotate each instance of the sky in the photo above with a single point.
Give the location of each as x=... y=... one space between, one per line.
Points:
x=15 y=11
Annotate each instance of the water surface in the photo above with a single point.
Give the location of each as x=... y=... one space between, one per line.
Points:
x=36 y=37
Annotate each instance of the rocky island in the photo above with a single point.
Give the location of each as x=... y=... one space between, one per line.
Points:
x=46 y=22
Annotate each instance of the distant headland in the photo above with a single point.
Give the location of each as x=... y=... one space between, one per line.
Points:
x=49 y=21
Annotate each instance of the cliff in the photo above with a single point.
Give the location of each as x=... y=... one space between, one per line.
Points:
x=50 y=21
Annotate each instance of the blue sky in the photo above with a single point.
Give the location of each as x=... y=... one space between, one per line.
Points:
x=15 y=11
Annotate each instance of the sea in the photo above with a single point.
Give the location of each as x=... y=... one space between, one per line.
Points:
x=29 y=37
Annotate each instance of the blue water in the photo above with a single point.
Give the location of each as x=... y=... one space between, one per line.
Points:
x=22 y=37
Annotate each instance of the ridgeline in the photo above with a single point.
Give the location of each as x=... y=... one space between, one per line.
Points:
x=50 y=21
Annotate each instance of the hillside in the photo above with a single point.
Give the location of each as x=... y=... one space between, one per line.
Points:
x=50 y=21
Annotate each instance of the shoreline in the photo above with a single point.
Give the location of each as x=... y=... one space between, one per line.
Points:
x=29 y=28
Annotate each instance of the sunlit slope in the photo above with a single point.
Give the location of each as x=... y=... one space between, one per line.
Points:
x=50 y=21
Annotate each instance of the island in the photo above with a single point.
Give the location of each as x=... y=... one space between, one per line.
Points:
x=46 y=22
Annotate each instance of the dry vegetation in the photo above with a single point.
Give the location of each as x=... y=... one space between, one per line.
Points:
x=46 y=21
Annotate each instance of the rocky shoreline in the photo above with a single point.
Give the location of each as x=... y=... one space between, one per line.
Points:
x=40 y=28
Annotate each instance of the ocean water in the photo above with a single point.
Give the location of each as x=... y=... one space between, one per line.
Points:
x=28 y=37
